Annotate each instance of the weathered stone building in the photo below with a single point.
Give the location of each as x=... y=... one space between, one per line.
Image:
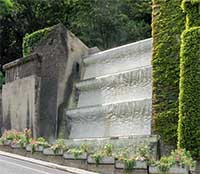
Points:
x=40 y=86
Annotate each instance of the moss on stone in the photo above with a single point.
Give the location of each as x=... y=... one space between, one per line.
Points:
x=30 y=41
x=168 y=22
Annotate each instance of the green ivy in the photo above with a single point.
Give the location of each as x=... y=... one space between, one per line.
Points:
x=168 y=22
x=189 y=110
x=30 y=41
x=192 y=8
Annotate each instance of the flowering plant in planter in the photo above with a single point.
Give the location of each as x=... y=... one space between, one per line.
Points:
x=143 y=153
x=180 y=161
x=15 y=138
x=28 y=134
x=127 y=159
x=97 y=157
x=106 y=151
x=8 y=136
x=77 y=151
x=39 y=142
x=21 y=138
x=183 y=158
x=165 y=164
x=59 y=146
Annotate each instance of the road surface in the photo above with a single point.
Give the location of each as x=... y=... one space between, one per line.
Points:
x=14 y=166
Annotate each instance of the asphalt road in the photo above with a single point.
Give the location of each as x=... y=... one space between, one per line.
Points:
x=15 y=166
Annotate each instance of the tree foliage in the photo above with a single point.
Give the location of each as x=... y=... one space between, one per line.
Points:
x=97 y=22
x=5 y=7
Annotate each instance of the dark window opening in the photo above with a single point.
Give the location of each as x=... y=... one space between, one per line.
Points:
x=77 y=68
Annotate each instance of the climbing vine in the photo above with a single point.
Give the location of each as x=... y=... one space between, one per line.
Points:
x=33 y=39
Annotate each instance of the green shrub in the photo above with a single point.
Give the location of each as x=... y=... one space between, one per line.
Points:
x=192 y=8
x=189 y=98
x=189 y=118
x=167 y=25
x=30 y=41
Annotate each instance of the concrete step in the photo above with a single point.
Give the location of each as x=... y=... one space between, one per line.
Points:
x=119 y=59
x=128 y=85
x=117 y=119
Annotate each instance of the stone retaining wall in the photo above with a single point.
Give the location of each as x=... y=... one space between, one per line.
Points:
x=39 y=87
x=20 y=94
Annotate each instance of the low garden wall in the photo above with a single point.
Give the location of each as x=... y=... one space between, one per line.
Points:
x=107 y=165
x=106 y=159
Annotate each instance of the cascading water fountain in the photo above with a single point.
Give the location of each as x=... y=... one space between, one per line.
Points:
x=115 y=95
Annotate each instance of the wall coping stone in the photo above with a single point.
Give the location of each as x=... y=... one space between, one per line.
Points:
x=22 y=61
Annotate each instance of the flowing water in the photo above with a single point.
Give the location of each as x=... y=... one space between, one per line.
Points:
x=115 y=97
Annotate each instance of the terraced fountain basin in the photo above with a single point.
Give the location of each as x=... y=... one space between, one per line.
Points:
x=112 y=120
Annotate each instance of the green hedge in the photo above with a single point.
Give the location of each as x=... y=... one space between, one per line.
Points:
x=168 y=22
x=192 y=8
x=32 y=40
x=189 y=105
x=189 y=97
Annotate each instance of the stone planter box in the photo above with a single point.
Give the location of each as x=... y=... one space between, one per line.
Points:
x=16 y=146
x=173 y=170
x=138 y=165
x=7 y=142
x=37 y=148
x=103 y=160
x=70 y=156
x=49 y=151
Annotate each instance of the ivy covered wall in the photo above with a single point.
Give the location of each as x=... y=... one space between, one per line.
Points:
x=189 y=97
x=33 y=39
x=168 y=22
